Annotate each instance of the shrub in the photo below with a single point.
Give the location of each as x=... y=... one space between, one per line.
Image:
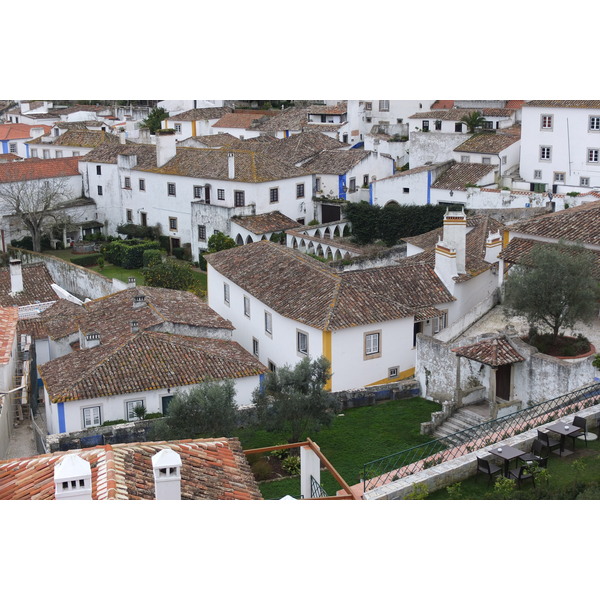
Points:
x=261 y=469
x=128 y=254
x=25 y=242
x=87 y=260
x=178 y=253
x=420 y=491
x=291 y=464
x=137 y=231
x=153 y=256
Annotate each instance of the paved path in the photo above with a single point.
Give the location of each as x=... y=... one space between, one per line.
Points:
x=22 y=442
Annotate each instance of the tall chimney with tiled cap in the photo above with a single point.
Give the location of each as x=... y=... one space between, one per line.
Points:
x=131 y=282
x=16 y=276
x=231 y=165
x=455 y=236
x=166 y=466
x=166 y=146
x=73 y=479
x=493 y=247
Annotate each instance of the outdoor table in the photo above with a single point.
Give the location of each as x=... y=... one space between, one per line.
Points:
x=506 y=453
x=565 y=430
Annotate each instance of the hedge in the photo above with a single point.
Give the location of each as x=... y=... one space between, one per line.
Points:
x=86 y=260
x=128 y=254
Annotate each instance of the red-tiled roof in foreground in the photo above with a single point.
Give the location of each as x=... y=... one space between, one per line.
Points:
x=9 y=316
x=19 y=131
x=35 y=168
x=212 y=469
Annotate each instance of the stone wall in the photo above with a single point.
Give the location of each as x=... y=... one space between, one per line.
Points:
x=407 y=388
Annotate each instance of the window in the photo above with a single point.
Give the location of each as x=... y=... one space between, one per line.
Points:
x=439 y=323
x=142 y=185
x=537 y=174
x=365 y=181
x=220 y=194
x=99 y=190
x=268 y=323
x=272 y=366
x=594 y=123
x=504 y=159
x=352 y=187
x=98 y=170
x=465 y=159
x=173 y=223
x=458 y=127
x=559 y=177
x=392 y=372
x=226 y=293
x=34 y=153
x=593 y=155
x=201 y=233
x=12 y=148
x=317 y=184
x=247 y=306
x=438 y=125
x=368 y=106
x=177 y=128
x=144 y=219
x=302 y=341
x=488 y=125
x=486 y=160
x=91 y=416
x=239 y=198
x=46 y=154
x=372 y=344
x=425 y=125
x=584 y=181
x=255 y=347
x=197 y=191
x=405 y=190
x=171 y=189
x=546 y=122
x=58 y=154
x=207 y=194
x=127 y=183
x=76 y=153
x=129 y=215
x=545 y=152
x=384 y=105
x=130 y=409
x=369 y=119
x=300 y=190
x=274 y=195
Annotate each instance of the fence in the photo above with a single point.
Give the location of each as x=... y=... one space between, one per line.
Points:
x=407 y=462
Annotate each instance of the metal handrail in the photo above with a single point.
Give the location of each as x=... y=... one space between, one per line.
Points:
x=407 y=462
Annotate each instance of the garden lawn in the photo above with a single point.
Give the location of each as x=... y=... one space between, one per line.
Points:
x=359 y=436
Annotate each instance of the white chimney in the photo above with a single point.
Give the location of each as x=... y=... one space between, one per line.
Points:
x=166 y=465
x=92 y=340
x=36 y=132
x=139 y=301
x=493 y=246
x=144 y=136
x=131 y=282
x=73 y=479
x=16 y=276
x=166 y=146
x=231 y=165
x=122 y=137
x=455 y=236
x=134 y=327
x=445 y=264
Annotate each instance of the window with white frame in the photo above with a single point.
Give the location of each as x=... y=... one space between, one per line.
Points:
x=372 y=344
x=198 y=191
x=91 y=416
x=393 y=372
x=273 y=195
x=58 y=154
x=247 y=306
x=220 y=194
x=75 y=153
x=130 y=406
x=226 y=293
x=594 y=123
x=593 y=154
x=34 y=153
x=302 y=341
x=46 y=154
x=425 y=125
x=352 y=186
x=142 y=185
x=368 y=106
x=486 y=160
x=545 y=152
x=171 y=189
x=177 y=127
x=559 y=177
x=255 y=350
x=488 y=125
x=584 y=181
x=268 y=323
x=546 y=122
x=439 y=323
x=537 y=174
x=12 y=148
x=201 y=233
x=465 y=159
x=384 y=105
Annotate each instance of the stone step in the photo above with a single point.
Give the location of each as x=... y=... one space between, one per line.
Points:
x=461 y=420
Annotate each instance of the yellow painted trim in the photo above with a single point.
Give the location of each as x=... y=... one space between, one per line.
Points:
x=444 y=251
x=401 y=375
x=505 y=235
x=327 y=353
x=193 y=128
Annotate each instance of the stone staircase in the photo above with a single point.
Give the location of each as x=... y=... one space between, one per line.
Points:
x=463 y=418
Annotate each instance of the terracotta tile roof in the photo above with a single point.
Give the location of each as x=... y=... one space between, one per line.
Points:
x=421 y=169
x=58 y=321
x=200 y=114
x=290 y=119
x=487 y=143
x=9 y=317
x=460 y=174
x=81 y=138
x=147 y=360
x=239 y=120
x=577 y=224
x=82 y=108
x=9 y=156
x=594 y=104
x=212 y=163
x=36 y=286
x=211 y=469
x=35 y=168
x=341 y=108
x=442 y=104
x=266 y=223
x=514 y=104
x=217 y=140
x=458 y=114
x=18 y=131
x=335 y=162
x=108 y=153
x=518 y=249
x=492 y=352
x=306 y=290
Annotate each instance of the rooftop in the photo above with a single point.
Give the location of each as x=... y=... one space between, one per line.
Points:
x=18 y=131
x=460 y=174
x=35 y=168
x=266 y=223
x=200 y=114
x=36 y=286
x=9 y=316
x=487 y=143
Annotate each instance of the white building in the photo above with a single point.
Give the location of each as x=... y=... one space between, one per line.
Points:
x=195 y=122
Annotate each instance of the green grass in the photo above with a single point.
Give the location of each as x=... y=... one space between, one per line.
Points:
x=361 y=435
x=566 y=478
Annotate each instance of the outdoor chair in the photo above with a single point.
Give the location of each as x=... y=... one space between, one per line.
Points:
x=488 y=468
x=547 y=441
x=586 y=435
x=521 y=474
x=538 y=455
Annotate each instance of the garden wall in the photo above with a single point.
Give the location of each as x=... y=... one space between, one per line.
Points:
x=407 y=388
x=79 y=281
